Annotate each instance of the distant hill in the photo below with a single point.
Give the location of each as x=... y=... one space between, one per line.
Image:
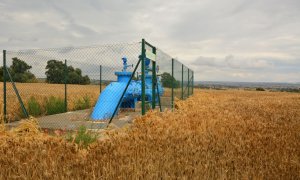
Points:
x=271 y=86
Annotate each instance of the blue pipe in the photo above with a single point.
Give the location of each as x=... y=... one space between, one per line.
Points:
x=110 y=96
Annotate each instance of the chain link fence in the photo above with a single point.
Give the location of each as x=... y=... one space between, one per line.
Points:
x=65 y=88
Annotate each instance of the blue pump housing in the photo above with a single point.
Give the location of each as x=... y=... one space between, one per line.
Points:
x=110 y=96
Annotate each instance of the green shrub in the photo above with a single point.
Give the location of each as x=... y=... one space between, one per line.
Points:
x=82 y=138
x=69 y=137
x=83 y=103
x=54 y=105
x=34 y=108
x=260 y=89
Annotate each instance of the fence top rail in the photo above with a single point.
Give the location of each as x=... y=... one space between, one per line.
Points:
x=147 y=43
x=158 y=49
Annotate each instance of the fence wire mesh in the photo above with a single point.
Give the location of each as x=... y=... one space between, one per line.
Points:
x=40 y=77
x=185 y=82
x=178 y=79
x=91 y=83
x=164 y=63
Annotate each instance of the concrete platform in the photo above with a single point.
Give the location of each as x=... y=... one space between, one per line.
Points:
x=74 y=119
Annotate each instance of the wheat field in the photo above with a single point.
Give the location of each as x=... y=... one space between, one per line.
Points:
x=211 y=135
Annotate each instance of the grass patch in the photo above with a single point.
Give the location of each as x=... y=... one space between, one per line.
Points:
x=34 y=108
x=82 y=103
x=83 y=138
x=54 y=105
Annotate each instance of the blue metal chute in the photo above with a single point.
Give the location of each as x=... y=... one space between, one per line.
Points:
x=108 y=101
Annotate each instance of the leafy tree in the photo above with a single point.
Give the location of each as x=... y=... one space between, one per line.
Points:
x=260 y=89
x=167 y=79
x=19 y=71
x=19 y=66
x=86 y=80
x=56 y=74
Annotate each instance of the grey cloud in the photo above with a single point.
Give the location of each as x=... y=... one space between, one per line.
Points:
x=221 y=40
x=254 y=69
x=232 y=63
x=206 y=61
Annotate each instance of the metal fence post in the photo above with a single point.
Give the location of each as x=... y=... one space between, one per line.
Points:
x=143 y=56
x=188 y=83
x=181 y=81
x=4 y=85
x=17 y=92
x=193 y=83
x=154 y=81
x=66 y=79
x=100 y=79
x=173 y=83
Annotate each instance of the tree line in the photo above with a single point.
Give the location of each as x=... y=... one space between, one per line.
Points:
x=55 y=73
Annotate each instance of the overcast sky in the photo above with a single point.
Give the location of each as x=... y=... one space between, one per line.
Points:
x=228 y=40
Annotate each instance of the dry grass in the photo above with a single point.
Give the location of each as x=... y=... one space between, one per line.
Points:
x=41 y=91
x=213 y=135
